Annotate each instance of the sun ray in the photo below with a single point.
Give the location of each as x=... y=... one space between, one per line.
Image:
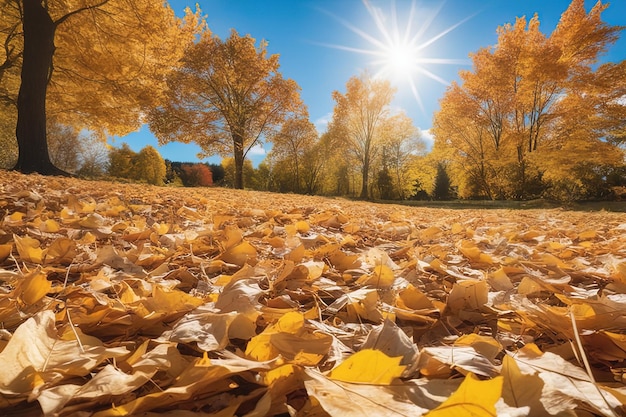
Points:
x=397 y=50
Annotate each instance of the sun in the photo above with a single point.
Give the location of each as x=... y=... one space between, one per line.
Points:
x=398 y=51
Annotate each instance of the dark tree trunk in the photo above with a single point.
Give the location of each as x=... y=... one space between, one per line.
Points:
x=31 y=101
x=365 y=171
x=239 y=161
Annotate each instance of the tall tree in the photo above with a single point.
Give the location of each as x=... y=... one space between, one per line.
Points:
x=357 y=120
x=227 y=96
x=536 y=108
x=292 y=143
x=402 y=143
x=94 y=65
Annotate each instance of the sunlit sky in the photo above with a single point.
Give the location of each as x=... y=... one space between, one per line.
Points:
x=322 y=43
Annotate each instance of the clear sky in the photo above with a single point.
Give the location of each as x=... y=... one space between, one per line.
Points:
x=322 y=43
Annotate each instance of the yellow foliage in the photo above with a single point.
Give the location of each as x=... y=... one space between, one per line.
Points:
x=368 y=366
x=473 y=398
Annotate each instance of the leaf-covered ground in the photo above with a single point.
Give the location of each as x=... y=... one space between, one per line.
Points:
x=123 y=299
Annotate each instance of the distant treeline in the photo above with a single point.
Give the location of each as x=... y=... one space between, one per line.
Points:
x=193 y=174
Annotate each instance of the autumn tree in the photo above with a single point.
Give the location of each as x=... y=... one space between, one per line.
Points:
x=291 y=144
x=149 y=166
x=64 y=146
x=358 y=116
x=92 y=65
x=196 y=175
x=535 y=110
x=94 y=156
x=226 y=97
x=121 y=161
x=402 y=144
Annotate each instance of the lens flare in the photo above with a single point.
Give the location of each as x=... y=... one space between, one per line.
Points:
x=398 y=51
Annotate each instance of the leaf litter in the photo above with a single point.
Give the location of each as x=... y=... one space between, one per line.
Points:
x=121 y=299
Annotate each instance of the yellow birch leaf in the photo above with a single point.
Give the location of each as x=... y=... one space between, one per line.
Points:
x=174 y=300
x=351 y=228
x=296 y=254
x=471 y=295
x=522 y=390
x=413 y=299
x=241 y=254
x=343 y=261
x=474 y=398
x=33 y=287
x=485 y=345
x=291 y=323
x=302 y=226
x=381 y=277
x=368 y=366
x=499 y=280
x=5 y=251
x=275 y=374
x=28 y=249
x=14 y=219
x=473 y=253
x=62 y=250
x=588 y=235
x=49 y=226
x=232 y=236
x=88 y=238
x=528 y=286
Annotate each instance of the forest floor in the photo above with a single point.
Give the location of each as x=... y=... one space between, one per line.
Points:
x=122 y=299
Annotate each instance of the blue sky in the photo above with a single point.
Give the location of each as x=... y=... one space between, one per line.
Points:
x=317 y=41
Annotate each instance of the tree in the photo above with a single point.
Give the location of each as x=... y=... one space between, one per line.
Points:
x=196 y=175
x=226 y=97
x=64 y=146
x=121 y=161
x=442 y=189
x=535 y=109
x=149 y=166
x=402 y=144
x=108 y=63
x=94 y=156
x=291 y=144
x=357 y=119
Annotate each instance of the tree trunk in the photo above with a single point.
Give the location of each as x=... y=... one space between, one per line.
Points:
x=39 y=48
x=239 y=161
x=365 y=183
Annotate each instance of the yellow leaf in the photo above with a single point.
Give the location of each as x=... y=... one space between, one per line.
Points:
x=471 y=251
x=588 y=235
x=368 y=366
x=381 y=277
x=33 y=287
x=474 y=398
x=521 y=390
x=5 y=251
x=49 y=226
x=28 y=249
x=485 y=345
x=499 y=280
x=62 y=250
x=296 y=254
x=291 y=322
x=468 y=294
x=413 y=299
x=302 y=226
x=241 y=254
x=14 y=219
x=275 y=374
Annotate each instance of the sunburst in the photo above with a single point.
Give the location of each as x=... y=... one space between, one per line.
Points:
x=397 y=50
